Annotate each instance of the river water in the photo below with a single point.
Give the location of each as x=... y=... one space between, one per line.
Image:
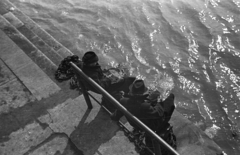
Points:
x=194 y=43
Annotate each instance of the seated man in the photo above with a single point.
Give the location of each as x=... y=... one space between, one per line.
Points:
x=92 y=69
x=146 y=107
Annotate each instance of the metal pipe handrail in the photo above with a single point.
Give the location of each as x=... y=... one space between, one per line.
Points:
x=123 y=109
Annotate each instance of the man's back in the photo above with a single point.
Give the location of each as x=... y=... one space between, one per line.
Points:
x=155 y=116
x=139 y=107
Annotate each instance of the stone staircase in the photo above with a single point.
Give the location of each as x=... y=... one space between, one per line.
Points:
x=41 y=47
x=39 y=115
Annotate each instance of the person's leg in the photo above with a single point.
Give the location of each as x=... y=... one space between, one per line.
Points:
x=107 y=104
x=149 y=143
x=153 y=145
x=156 y=148
x=169 y=137
x=116 y=115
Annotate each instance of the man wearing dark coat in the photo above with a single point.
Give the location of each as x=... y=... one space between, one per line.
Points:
x=92 y=69
x=145 y=106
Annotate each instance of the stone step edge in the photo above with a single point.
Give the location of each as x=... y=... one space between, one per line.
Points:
x=27 y=71
x=31 y=50
x=33 y=26
x=33 y=38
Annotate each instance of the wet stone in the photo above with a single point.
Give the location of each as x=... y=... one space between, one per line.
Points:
x=22 y=42
x=28 y=48
x=3 y=10
x=10 y=31
x=5 y=5
x=13 y=19
x=9 y=52
x=30 y=24
x=43 y=62
x=64 y=52
x=4 y=23
x=41 y=45
x=47 y=50
x=55 y=58
x=26 y=32
x=46 y=37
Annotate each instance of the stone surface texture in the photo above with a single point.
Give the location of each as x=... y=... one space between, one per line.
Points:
x=13 y=20
x=22 y=140
x=39 y=84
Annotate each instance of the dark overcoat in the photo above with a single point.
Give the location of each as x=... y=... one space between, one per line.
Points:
x=156 y=116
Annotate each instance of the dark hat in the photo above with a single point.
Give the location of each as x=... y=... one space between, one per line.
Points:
x=153 y=96
x=138 y=87
x=89 y=57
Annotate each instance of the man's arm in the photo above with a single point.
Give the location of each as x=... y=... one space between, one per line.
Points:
x=152 y=111
x=117 y=114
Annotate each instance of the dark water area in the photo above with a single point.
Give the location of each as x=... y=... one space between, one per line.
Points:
x=195 y=44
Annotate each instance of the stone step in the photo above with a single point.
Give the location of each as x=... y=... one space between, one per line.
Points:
x=35 y=28
x=70 y=123
x=52 y=42
x=13 y=94
x=33 y=38
x=92 y=131
x=31 y=50
x=45 y=46
x=37 y=82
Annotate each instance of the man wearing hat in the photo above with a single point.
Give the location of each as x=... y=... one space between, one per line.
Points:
x=145 y=105
x=138 y=92
x=137 y=103
x=92 y=69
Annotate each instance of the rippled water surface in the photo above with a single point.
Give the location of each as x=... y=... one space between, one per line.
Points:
x=193 y=42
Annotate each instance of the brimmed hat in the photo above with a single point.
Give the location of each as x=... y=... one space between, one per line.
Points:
x=153 y=96
x=89 y=57
x=138 y=87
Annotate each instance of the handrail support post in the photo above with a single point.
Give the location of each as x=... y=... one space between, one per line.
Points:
x=85 y=93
